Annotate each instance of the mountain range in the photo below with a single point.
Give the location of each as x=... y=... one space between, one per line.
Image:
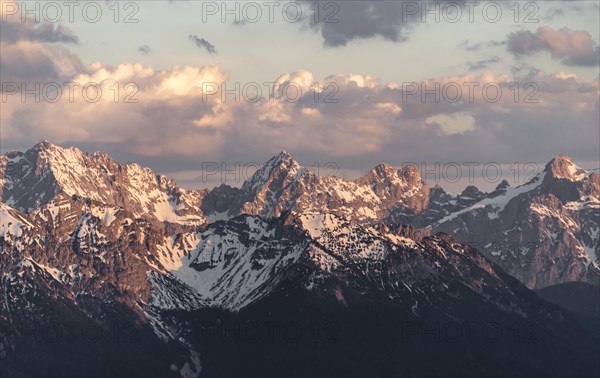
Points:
x=381 y=275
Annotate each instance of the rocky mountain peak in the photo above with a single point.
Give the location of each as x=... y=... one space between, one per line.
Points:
x=552 y=220
x=563 y=167
x=44 y=145
x=566 y=180
x=386 y=174
x=279 y=165
x=282 y=159
x=312 y=240
x=383 y=170
x=34 y=178
x=503 y=185
x=437 y=188
x=410 y=171
x=381 y=173
x=283 y=154
x=471 y=191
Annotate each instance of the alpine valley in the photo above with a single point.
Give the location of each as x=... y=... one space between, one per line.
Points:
x=110 y=269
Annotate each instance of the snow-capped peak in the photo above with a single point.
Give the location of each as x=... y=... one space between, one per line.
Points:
x=563 y=167
x=45 y=145
x=47 y=170
x=282 y=159
x=282 y=163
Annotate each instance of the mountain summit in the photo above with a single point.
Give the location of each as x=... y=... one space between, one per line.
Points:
x=87 y=240
x=544 y=232
x=33 y=178
x=563 y=167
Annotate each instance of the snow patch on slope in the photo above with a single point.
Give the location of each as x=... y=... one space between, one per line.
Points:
x=10 y=224
x=498 y=203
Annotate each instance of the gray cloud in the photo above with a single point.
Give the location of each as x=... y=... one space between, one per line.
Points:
x=144 y=49
x=553 y=13
x=564 y=7
x=31 y=53
x=525 y=72
x=467 y=45
x=30 y=63
x=359 y=20
x=572 y=47
x=341 y=22
x=477 y=47
x=203 y=44
x=12 y=32
x=481 y=64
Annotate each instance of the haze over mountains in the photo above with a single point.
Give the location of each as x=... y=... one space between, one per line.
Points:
x=98 y=241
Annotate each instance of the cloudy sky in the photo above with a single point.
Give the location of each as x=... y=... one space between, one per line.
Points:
x=176 y=85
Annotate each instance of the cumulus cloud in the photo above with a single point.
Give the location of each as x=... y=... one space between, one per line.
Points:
x=203 y=44
x=137 y=105
x=171 y=120
x=572 y=47
x=453 y=123
x=176 y=123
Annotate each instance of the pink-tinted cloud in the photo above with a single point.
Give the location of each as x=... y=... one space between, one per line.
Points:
x=572 y=47
x=369 y=121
